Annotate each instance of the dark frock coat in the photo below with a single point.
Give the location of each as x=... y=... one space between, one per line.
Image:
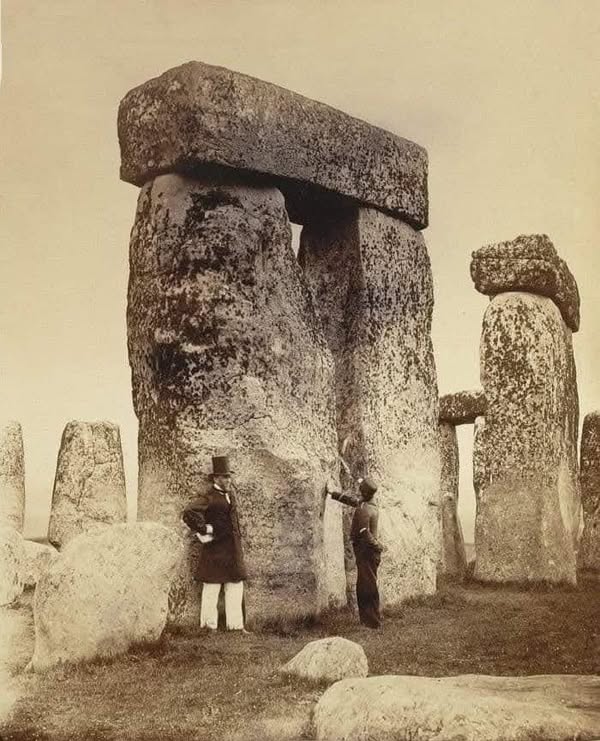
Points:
x=221 y=560
x=367 y=552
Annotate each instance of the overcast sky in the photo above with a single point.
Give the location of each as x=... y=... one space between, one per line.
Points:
x=503 y=95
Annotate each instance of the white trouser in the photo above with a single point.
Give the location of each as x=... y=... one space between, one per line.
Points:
x=234 y=592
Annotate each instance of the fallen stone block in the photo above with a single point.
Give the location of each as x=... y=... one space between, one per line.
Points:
x=470 y=708
x=107 y=590
x=328 y=660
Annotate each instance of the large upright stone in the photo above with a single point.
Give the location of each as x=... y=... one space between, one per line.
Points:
x=371 y=278
x=228 y=355
x=197 y=116
x=89 y=487
x=453 y=560
x=588 y=555
x=528 y=263
x=528 y=506
x=12 y=476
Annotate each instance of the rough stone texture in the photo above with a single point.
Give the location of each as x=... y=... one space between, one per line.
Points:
x=453 y=560
x=462 y=408
x=469 y=708
x=12 y=476
x=107 y=590
x=228 y=356
x=588 y=555
x=528 y=506
x=371 y=278
x=328 y=660
x=12 y=556
x=197 y=115
x=38 y=557
x=89 y=487
x=479 y=466
x=528 y=263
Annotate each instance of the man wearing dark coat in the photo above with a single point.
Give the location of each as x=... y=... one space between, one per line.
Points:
x=214 y=519
x=367 y=549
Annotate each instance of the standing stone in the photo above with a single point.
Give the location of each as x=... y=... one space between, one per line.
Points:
x=12 y=476
x=106 y=590
x=453 y=560
x=588 y=556
x=228 y=356
x=528 y=502
x=89 y=487
x=371 y=278
x=12 y=557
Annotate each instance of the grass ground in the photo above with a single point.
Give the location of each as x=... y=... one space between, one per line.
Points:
x=192 y=686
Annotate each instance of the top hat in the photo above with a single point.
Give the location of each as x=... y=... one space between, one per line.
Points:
x=368 y=486
x=220 y=464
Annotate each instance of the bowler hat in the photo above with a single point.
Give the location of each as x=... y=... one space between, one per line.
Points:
x=368 y=486
x=220 y=464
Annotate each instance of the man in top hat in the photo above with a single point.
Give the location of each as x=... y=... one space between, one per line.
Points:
x=214 y=519
x=366 y=547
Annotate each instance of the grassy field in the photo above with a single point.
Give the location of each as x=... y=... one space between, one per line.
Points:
x=192 y=686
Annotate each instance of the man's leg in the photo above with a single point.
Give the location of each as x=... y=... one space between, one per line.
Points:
x=209 y=616
x=367 y=593
x=234 y=593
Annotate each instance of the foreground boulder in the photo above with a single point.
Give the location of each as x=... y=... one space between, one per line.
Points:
x=107 y=590
x=328 y=660
x=12 y=558
x=38 y=557
x=469 y=708
x=89 y=488
x=12 y=476
x=197 y=115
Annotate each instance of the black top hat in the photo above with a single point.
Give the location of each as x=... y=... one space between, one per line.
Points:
x=368 y=487
x=220 y=465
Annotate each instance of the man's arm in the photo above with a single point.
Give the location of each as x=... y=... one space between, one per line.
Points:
x=342 y=497
x=194 y=516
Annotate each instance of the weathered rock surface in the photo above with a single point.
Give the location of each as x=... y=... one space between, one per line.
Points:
x=197 y=115
x=228 y=356
x=371 y=278
x=12 y=476
x=89 y=487
x=12 y=556
x=328 y=660
x=588 y=555
x=528 y=263
x=462 y=407
x=453 y=560
x=470 y=708
x=107 y=590
x=528 y=507
x=37 y=558
x=479 y=465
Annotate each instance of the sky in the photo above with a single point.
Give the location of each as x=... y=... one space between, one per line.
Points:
x=504 y=96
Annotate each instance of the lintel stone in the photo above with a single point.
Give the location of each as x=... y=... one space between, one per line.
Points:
x=197 y=117
x=528 y=263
